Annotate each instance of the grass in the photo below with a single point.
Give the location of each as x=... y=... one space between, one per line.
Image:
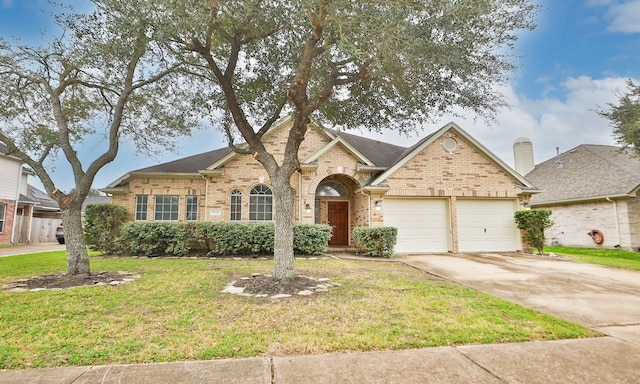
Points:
x=617 y=258
x=175 y=311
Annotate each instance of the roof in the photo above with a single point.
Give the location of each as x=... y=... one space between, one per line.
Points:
x=42 y=200
x=380 y=153
x=374 y=153
x=95 y=200
x=586 y=172
x=191 y=164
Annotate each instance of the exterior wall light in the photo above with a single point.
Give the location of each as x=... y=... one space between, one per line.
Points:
x=378 y=205
x=307 y=208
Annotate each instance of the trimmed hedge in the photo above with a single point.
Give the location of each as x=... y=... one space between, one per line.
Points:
x=217 y=239
x=376 y=241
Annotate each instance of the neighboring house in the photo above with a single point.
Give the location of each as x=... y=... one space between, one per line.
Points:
x=592 y=192
x=26 y=213
x=13 y=177
x=447 y=193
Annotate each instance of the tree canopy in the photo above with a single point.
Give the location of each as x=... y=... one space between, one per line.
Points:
x=104 y=77
x=624 y=117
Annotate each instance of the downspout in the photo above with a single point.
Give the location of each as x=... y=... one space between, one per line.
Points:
x=206 y=195
x=615 y=210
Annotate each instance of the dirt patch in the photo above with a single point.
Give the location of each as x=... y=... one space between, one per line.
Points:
x=61 y=281
x=267 y=286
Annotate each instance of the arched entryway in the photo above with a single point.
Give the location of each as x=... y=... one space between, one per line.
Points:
x=334 y=204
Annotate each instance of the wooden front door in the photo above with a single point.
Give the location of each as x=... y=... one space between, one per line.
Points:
x=339 y=220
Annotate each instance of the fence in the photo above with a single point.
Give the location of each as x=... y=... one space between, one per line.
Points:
x=42 y=230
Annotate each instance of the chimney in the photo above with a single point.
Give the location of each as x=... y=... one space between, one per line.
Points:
x=523 y=155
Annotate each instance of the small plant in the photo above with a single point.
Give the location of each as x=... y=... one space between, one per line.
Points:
x=533 y=223
x=376 y=241
x=103 y=223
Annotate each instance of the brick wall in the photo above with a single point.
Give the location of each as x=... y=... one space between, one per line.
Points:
x=572 y=222
x=10 y=208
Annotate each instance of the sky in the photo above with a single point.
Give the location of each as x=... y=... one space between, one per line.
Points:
x=577 y=60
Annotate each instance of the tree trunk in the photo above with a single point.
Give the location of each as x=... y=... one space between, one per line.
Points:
x=283 y=195
x=77 y=256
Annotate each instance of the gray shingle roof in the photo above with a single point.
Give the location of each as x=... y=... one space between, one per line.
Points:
x=586 y=171
x=191 y=164
x=381 y=154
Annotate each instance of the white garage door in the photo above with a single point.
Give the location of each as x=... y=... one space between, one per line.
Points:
x=422 y=224
x=487 y=225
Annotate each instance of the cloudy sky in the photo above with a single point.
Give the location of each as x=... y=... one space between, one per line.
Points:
x=578 y=58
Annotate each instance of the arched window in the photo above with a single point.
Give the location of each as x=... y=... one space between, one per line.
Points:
x=260 y=203
x=331 y=188
x=236 y=205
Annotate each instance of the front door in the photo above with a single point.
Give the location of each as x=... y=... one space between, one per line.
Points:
x=339 y=220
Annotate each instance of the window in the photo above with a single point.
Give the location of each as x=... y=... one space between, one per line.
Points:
x=167 y=208
x=236 y=205
x=141 y=207
x=331 y=188
x=192 y=208
x=260 y=203
x=3 y=212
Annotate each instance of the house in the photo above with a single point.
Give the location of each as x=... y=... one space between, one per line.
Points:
x=447 y=193
x=27 y=215
x=14 y=183
x=592 y=193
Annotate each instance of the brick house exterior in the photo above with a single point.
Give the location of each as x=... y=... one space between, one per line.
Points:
x=591 y=188
x=348 y=181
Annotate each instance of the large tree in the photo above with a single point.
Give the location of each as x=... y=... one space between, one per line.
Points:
x=624 y=117
x=367 y=63
x=102 y=79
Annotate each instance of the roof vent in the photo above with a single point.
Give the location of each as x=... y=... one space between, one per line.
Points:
x=523 y=155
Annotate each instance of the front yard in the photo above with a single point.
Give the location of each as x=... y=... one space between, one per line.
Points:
x=175 y=311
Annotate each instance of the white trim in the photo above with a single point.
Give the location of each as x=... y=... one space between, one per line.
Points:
x=316 y=155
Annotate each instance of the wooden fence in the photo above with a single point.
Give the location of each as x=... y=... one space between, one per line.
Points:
x=42 y=230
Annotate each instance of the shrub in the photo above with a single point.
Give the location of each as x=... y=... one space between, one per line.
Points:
x=310 y=239
x=151 y=238
x=376 y=241
x=533 y=223
x=102 y=225
x=148 y=238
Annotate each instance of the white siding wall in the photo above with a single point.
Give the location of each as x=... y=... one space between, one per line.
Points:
x=10 y=169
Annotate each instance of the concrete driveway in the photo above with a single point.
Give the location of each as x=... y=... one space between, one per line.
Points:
x=602 y=298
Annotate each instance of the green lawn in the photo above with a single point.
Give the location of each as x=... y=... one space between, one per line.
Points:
x=175 y=311
x=610 y=257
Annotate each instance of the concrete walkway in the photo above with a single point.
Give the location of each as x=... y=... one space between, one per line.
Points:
x=607 y=359
x=30 y=248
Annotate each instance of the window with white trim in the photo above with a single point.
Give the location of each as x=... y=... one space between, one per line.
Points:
x=261 y=203
x=167 y=207
x=191 y=208
x=236 y=205
x=3 y=212
x=141 y=207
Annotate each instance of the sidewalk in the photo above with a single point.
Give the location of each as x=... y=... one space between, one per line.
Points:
x=596 y=360
x=30 y=248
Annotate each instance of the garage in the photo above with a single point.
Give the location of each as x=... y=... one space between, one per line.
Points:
x=423 y=224
x=487 y=225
